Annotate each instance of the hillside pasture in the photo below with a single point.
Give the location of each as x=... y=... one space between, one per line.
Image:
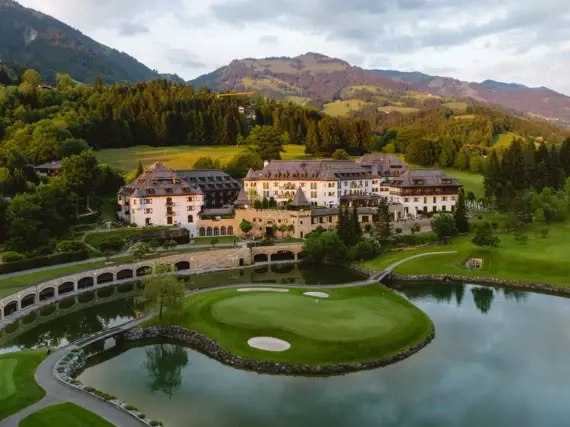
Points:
x=343 y=108
x=504 y=140
x=181 y=157
x=395 y=108
x=459 y=106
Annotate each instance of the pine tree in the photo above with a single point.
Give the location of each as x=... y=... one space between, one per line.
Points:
x=313 y=144
x=461 y=221
x=514 y=167
x=140 y=169
x=356 y=229
x=492 y=176
x=382 y=225
x=565 y=156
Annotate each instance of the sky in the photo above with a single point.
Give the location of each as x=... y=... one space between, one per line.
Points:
x=522 y=41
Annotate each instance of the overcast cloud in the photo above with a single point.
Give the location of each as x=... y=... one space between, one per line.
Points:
x=523 y=41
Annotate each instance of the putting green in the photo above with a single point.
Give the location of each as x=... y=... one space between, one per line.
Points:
x=7 y=386
x=351 y=325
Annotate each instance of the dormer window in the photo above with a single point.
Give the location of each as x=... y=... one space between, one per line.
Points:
x=446 y=181
x=418 y=182
x=168 y=190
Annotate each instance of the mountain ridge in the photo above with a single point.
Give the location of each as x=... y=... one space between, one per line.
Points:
x=39 y=41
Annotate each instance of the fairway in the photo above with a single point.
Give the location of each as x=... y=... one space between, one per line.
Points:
x=539 y=260
x=182 y=157
x=18 y=388
x=351 y=325
x=64 y=414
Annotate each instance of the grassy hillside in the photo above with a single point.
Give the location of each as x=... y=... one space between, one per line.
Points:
x=182 y=157
x=504 y=140
x=343 y=108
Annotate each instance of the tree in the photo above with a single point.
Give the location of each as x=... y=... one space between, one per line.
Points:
x=140 y=249
x=64 y=81
x=214 y=241
x=460 y=214
x=444 y=227
x=416 y=228
x=326 y=246
x=164 y=363
x=161 y=290
x=340 y=154
x=71 y=146
x=267 y=142
x=69 y=246
x=290 y=229
x=382 y=224
x=356 y=229
x=461 y=161
x=245 y=226
x=484 y=235
x=282 y=229
x=206 y=163
x=240 y=164
x=140 y=169
x=32 y=77
x=81 y=173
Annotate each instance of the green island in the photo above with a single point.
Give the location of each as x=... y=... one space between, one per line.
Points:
x=350 y=325
x=64 y=414
x=18 y=388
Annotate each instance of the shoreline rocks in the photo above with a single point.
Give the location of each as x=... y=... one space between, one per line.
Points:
x=212 y=349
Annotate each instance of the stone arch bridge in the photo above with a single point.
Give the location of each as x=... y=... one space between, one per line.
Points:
x=44 y=293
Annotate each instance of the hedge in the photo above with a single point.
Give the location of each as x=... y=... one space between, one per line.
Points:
x=43 y=261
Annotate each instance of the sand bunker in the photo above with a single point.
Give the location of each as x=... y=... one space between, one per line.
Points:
x=268 y=344
x=262 y=290
x=316 y=294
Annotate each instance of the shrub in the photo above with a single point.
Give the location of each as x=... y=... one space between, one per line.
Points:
x=12 y=257
x=131 y=408
x=142 y=416
x=155 y=423
x=43 y=261
x=90 y=389
x=69 y=246
x=61 y=370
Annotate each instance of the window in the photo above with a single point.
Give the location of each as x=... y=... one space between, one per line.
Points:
x=169 y=191
x=435 y=208
x=435 y=199
x=425 y=199
x=202 y=232
x=223 y=231
x=189 y=208
x=209 y=231
x=134 y=201
x=148 y=201
x=443 y=208
x=330 y=219
x=147 y=222
x=331 y=194
x=416 y=199
x=275 y=183
x=406 y=199
x=189 y=199
x=169 y=220
x=190 y=219
x=313 y=194
x=313 y=185
x=148 y=211
x=230 y=231
x=444 y=199
x=345 y=183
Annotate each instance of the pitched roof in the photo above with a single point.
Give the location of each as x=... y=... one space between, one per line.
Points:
x=50 y=165
x=300 y=201
x=425 y=178
x=209 y=180
x=159 y=181
x=310 y=170
x=242 y=199
x=384 y=164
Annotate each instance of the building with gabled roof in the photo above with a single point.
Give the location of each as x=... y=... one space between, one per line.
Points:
x=160 y=197
x=218 y=187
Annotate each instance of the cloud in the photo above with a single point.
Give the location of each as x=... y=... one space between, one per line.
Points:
x=183 y=58
x=269 y=39
x=132 y=29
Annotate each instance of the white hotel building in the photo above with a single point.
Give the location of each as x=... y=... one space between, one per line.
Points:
x=330 y=182
x=160 y=197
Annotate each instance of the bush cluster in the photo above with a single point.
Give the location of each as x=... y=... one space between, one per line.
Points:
x=43 y=261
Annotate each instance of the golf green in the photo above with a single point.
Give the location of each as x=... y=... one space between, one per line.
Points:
x=350 y=325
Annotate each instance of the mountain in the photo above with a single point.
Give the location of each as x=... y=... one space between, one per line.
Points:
x=38 y=41
x=539 y=102
x=311 y=78
x=174 y=78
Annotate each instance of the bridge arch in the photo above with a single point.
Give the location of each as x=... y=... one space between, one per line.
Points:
x=11 y=308
x=262 y=257
x=127 y=273
x=105 y=278
x=85 y=282
x=182 y=265
x=284 y=255
x=27 y=300
x=48 y=293
x=65 y=288
x=145 y=270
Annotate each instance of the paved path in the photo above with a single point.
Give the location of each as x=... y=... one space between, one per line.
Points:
x=57 y=392
x=90 y=260
x=382 y=274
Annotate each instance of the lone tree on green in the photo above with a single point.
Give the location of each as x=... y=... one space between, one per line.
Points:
x=267 y=142
x=484 y=235
x=444 y=227
x=161 y=290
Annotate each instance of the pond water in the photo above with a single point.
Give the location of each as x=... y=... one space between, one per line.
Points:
x=500 y=358
x=78 y=317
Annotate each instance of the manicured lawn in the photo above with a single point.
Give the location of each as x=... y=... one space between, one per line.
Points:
x=182 y=157
x=64 y=414
x=353 y=324
x=18 y=388
x=471 y=181
x=540 y=260
x=221 y=239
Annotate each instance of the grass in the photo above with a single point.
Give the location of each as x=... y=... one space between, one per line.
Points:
x=221 y=239
x=471 y=181
x=540 y=260
x=461 y=106
x=504 y=140
x=64 y=414
x=18 y=388
x=403 y=110
x=182 y=157
x=353 y=324
x=342 y=108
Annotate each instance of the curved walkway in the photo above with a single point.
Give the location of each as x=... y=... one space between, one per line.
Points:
x=57 y=392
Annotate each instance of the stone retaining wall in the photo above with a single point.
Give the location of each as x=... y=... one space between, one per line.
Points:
x=493 y=281
x=212 y=349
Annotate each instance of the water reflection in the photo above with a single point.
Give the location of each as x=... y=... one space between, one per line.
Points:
x=483 y=298
x=164 y=364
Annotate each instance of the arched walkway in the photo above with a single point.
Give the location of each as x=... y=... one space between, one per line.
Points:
x=202 y=232
x=260 y=258
x=125 y=274
x=209 y=231
x=10 y=308
x=48 y=293
x=223 y=230
x=65 y=288
x=105 y=278
x=28 y=300
x=144 y=271
x=182 y=265
x=230 y=231
x=283 y=256
x=216 y=231
x=86 y=282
